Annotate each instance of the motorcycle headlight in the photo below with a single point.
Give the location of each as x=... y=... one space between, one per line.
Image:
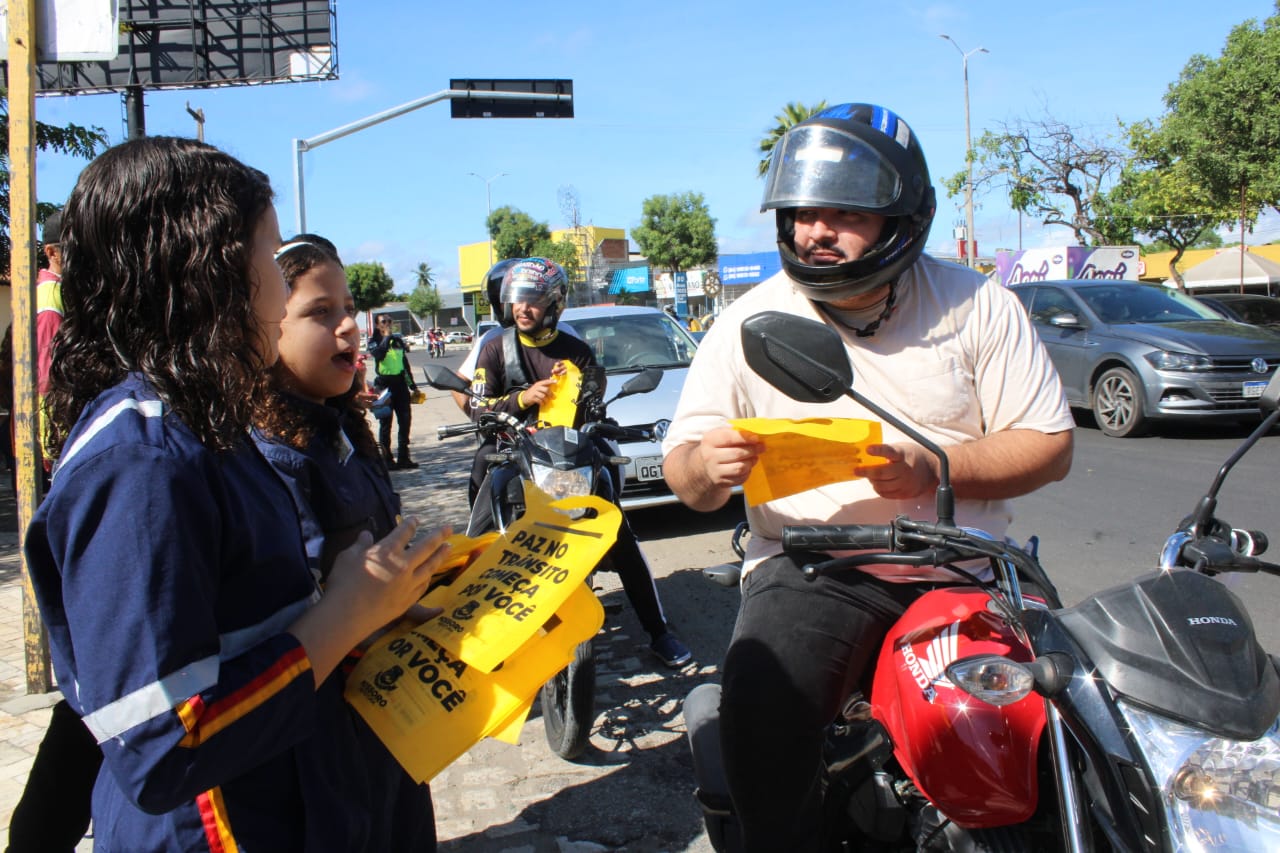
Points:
x=562 y=484
x=1164 y=360
x=1218 y=793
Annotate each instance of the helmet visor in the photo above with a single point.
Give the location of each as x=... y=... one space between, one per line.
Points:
x=532 y=293
x=817 y=166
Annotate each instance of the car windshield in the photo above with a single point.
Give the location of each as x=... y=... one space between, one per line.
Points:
x=1142 y=304
x=632 y=341
x=1262 y=311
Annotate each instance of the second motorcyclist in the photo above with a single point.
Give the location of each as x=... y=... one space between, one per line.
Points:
x=938 y=345
x=516 y=372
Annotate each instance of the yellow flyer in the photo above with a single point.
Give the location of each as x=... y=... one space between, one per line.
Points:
x=805 y=454
x=561 y=408
x=503 y=597
x=429 y=707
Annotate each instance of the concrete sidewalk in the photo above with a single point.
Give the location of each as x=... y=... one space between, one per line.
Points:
x=435 y=492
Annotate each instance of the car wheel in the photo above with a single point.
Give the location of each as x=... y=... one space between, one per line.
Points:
x=1117 y=404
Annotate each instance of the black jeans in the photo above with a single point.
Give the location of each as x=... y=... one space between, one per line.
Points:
x=799 y=648
x=53 y=814
x=400 y=407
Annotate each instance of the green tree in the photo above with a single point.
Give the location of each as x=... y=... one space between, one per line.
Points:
x=1224 y=119
x=792 y=114
x=1159 y=196
x=1052 y=171
x=676 y=232
x=370 y=284
x=515 y=233
x=73 y=139
x=425 y=300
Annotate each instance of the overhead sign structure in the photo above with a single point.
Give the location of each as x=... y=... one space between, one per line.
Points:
x=185 y=44
x=479 y=101
x=527 y=99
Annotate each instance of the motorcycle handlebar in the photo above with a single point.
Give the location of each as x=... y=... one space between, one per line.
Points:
x=836 y=537
x=454 y=430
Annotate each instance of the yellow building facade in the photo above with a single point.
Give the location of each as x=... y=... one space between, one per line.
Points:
x=474 y=259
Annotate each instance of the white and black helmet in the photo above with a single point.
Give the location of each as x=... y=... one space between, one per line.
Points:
x=852 y=157
x=536 y=281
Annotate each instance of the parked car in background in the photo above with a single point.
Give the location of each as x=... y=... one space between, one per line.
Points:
x=1252 y=308
x=1134 y=353
x=457 y=338
x=627 y=339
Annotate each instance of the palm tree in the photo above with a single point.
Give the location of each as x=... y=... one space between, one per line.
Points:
x=425 y=299
x=425 y=277
x=791 y=115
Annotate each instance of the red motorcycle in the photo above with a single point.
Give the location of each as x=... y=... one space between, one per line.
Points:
x=1142 y=719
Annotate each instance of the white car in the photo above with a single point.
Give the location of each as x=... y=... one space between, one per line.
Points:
x=627 y=339
x=457 y=338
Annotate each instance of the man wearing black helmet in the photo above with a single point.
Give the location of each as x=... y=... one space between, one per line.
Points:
x=939 y=345
x=515 y=373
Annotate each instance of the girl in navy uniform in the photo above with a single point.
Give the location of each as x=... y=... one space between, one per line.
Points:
x=312 y=427
x=185 y=625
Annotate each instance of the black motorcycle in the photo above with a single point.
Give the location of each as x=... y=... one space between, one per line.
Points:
x=1144 y=718
x=563 y=462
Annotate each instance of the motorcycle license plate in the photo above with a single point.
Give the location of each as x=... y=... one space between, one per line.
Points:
x=1253 y=389
x=649 y=468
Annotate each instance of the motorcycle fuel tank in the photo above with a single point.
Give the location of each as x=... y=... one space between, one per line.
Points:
x=974 y=761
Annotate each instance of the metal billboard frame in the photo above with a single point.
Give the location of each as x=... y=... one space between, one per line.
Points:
x=188 y=44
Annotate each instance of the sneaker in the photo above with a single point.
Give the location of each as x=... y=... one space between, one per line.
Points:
x=671 y=651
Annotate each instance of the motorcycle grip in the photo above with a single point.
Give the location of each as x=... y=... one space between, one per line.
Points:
x=454 y=430
x=837 y=537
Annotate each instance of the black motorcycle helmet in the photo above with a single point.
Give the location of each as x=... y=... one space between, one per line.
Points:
x=493 y=289
x=852 y=157
x=535 y=281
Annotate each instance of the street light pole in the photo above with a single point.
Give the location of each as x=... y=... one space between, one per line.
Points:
x=968 y=152
x=488 y=203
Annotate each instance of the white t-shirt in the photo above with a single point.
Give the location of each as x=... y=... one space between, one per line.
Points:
x=468 y=367
x=958 y=359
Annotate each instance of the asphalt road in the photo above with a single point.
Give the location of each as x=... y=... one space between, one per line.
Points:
x=632 y=792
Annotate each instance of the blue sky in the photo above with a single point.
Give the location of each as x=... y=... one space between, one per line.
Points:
x=669 y=97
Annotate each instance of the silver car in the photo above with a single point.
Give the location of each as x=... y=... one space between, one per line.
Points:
x=1134 y=353
x=627 y=339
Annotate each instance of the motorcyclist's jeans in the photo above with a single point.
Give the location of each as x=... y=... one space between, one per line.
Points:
x=799 y=649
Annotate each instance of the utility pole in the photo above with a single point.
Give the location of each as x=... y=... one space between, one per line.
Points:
x=971 y=242
x=198 y=115
x=488 y=205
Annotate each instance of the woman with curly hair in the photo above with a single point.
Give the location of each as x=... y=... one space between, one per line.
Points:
x=185 y=626
x=312 y=426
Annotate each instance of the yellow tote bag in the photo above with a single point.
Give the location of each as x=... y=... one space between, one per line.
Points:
x=519 y=581
x=429 y=708
x=511 y=620
x=561 y=408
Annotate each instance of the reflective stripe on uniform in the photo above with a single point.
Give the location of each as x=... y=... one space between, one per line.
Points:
x=163 y=696
x=146 y=408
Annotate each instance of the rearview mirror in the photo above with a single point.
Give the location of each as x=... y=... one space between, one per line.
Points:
x=643 y=382
x=802 y=358
x=1066 y=320
x=439 y=376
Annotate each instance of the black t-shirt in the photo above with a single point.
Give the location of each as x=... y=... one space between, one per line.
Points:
x=538 y=358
